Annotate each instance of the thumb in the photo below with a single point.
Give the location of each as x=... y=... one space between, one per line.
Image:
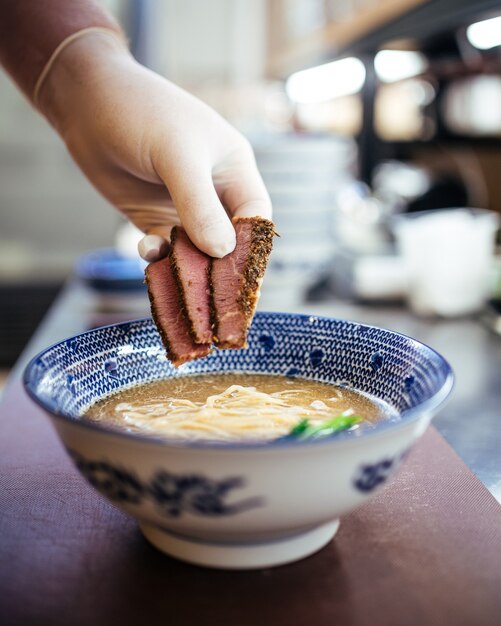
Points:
x=244 y=193
x=199 y=208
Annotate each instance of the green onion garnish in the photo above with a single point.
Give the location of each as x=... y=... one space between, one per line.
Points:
x=304 y=430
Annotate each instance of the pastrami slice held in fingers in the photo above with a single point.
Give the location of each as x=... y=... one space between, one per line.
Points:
x=196 y=299
x=235 y=280
x=168 y=315
x=190 y=267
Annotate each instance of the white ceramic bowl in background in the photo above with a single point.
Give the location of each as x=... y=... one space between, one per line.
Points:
x=302 y=172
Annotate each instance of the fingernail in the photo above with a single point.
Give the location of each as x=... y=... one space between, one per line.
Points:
x=219 y=240
x=153 y=247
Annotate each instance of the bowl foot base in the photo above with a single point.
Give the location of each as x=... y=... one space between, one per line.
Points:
x=241 y=556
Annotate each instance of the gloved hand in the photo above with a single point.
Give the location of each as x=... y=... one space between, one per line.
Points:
x=158 y=154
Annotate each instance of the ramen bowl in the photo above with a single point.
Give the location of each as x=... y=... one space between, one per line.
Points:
x=241 y=505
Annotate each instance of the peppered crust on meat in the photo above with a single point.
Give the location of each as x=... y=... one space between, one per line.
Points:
x=252 y=272
x=171 y=355
x=189 y=349
x=257 y=261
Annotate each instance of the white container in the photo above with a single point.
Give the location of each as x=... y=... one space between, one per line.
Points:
x=447 y=256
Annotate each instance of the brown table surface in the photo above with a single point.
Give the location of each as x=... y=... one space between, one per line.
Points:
x=425 y=550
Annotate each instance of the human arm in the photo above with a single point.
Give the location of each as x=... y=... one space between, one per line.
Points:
x=154 y=151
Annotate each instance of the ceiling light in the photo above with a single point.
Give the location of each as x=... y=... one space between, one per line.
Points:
x=486 y=34
x=394 y=65
x=325 y=82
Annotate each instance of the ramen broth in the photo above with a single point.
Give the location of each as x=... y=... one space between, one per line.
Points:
x=231 y=407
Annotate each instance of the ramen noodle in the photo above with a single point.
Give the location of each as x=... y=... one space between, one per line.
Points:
x=231 y=407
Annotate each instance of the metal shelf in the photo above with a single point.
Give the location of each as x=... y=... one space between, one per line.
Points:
x=423 y=23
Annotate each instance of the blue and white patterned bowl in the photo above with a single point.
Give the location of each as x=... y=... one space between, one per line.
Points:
x=246 y=505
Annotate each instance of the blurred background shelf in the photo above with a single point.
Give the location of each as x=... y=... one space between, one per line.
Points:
x=425 y=26
x=303 y=34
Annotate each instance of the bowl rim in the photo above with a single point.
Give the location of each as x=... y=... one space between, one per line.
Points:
x=432 y=403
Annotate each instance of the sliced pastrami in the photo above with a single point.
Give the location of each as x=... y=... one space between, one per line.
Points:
x=235 y=280
x=190 y=267
x=168 y=315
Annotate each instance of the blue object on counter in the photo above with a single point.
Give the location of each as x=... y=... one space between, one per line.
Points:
x=108 y=270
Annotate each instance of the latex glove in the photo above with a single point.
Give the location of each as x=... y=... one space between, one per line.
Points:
x=157 y=153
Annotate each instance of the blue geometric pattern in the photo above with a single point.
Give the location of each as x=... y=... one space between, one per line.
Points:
x=69 y=376
x=173 y=494
x=371 y=475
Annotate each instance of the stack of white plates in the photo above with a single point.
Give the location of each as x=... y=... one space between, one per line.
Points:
x=302 y=174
